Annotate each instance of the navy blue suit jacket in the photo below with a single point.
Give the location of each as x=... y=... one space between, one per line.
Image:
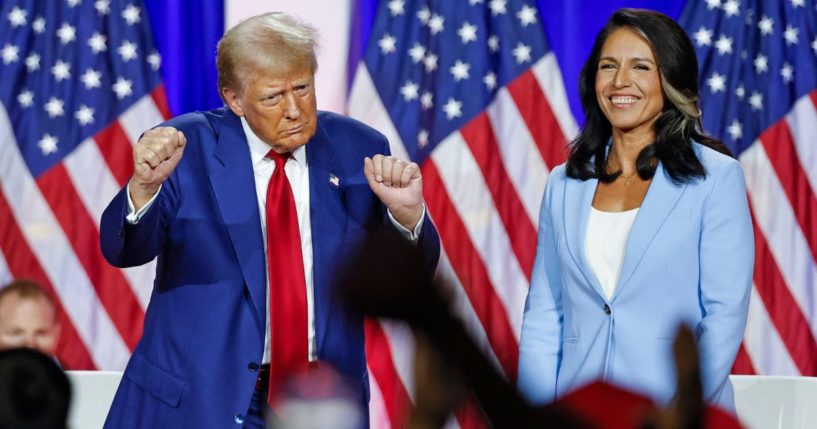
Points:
x=204 y=327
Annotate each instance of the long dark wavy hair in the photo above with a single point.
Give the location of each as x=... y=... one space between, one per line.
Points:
x=679 y=122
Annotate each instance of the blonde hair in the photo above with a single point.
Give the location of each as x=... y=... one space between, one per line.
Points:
x=274 y=42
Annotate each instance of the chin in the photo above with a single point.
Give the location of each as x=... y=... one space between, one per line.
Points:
x=627 y=124
x=292 y=145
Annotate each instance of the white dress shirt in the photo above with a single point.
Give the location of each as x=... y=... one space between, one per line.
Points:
x=605 y=244
x=297 y=171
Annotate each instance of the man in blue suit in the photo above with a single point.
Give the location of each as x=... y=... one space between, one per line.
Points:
x=197 y=201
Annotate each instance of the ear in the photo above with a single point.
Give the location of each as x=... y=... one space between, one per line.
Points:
x=233 y=101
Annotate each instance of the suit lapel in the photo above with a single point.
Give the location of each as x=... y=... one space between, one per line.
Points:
x=661 y=198
x=327 y=225
x=577 y=201
x=233 y=183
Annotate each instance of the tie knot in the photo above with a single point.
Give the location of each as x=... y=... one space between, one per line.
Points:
x=279 y=158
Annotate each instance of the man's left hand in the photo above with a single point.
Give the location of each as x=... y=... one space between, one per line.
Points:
x=399 y=185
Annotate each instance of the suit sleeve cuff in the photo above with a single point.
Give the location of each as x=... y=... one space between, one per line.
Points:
x=134 y=215
x=408 y=234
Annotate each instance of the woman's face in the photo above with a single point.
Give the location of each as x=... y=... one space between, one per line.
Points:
x=628 y=86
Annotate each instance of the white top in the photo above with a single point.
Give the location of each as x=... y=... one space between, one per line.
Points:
x=605 y=243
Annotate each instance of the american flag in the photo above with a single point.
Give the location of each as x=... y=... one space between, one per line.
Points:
x=78 y=85
x=470 y=91
x=758 y=61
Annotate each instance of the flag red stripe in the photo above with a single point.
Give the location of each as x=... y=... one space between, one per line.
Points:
x=469 y=414
x=779 y=146
x=539 y=118
x=71 y=351
x=783 y=310
x=110 y=284
x=117 y=150
x=479 y=135
x=160 y=99
x=743 y=363
x=381 y=365
x=470 y=270
x=813 y=96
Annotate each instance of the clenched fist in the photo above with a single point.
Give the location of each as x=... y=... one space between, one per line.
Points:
x=399 y=185
x=155 y=157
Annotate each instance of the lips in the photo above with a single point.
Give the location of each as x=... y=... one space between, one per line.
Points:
x=294 y=130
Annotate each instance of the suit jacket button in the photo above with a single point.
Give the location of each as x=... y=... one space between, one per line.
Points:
x=120 y=233
x=253 y=367
x=238 y=419
x=607 y=309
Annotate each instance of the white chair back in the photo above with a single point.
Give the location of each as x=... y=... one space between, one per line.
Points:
x=770 y=402
x=92 y=395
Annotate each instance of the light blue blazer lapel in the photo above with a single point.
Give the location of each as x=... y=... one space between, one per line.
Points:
x=577 y=201
x=327 y=224
x=661 y=198
x=233 y=183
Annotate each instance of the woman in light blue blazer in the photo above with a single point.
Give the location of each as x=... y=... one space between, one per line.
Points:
x=645 y=227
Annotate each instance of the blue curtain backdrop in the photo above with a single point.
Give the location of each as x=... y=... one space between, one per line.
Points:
x=186 y=33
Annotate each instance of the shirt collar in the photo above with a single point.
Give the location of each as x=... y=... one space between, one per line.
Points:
x=259 y=149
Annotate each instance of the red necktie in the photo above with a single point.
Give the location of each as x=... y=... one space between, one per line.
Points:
x=289 y=351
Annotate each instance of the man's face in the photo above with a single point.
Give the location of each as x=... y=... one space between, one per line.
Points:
x=279 y=107
x=28 y=322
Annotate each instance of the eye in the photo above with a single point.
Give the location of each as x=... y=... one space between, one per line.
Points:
x=272 y=98
x=302 y=90
x=607 y=66
x=644 y=67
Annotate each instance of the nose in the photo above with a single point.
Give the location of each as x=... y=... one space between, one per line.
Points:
x=30 y=341
x=291 y=108
x=621 y=78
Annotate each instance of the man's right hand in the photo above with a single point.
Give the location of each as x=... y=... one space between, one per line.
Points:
x=155 y=157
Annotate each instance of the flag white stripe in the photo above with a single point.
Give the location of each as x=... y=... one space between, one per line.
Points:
x=56 y=256
x=461 y=306
x=452 y=423
x=785 y=239
x=549 y=76
x=471 y=198
x=365 y=106
x=92 y=179
x=141 y=281
x=401 y=346
x=802 y=122
x=140 y=117
x=520 y=156
x=5 y=273
x=378 y=414
x=763 y=343
x=96 y=187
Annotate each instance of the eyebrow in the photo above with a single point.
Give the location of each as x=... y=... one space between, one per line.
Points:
x=646 y=60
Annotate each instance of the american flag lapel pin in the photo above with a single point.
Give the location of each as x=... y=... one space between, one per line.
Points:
x=334 y=180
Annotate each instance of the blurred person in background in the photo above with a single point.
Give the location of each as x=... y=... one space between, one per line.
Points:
x=27 y=318
x=34 y=391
